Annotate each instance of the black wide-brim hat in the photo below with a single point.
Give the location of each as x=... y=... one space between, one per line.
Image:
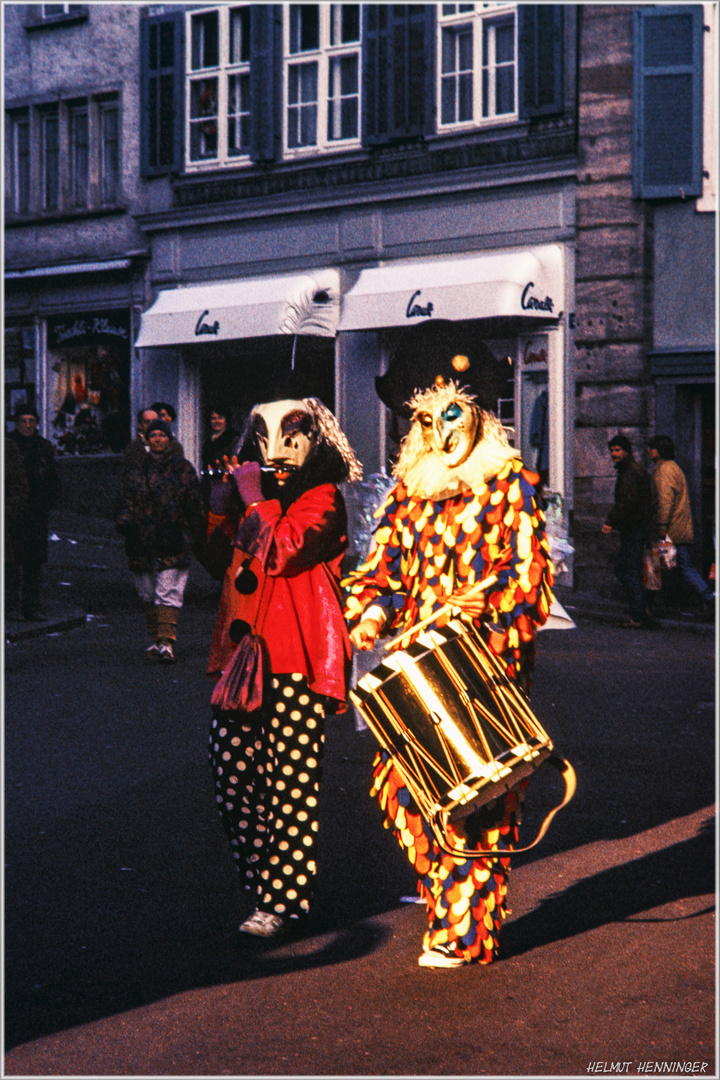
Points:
x=436 y=352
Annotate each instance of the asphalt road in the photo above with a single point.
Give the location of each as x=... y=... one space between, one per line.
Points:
x=121 y=900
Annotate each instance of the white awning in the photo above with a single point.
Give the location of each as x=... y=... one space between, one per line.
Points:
x=525 y=282
x=249 y=307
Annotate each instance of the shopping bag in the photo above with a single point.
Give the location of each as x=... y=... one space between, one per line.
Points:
x=652 y=577
x=668 y=553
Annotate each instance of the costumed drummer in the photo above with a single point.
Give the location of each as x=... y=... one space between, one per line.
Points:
x=464 y=507
x=280 y=649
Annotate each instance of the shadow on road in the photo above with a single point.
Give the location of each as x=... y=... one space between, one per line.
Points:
x=675 y=873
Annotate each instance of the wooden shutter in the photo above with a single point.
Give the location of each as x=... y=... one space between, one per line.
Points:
x=162 y=65
x=398 y=72
x=668 y=80
x=540 y=59
x=265 y=93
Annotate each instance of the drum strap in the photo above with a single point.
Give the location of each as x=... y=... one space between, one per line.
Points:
x=568 y=773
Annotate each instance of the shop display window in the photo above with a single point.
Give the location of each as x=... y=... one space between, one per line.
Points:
x=20 y=370
x=88 y=383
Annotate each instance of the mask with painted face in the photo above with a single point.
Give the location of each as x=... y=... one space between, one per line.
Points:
x=449 y=430
x=285 y=433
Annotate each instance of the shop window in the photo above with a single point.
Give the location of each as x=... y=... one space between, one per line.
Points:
x=88 y=382
x=668 y=102
x=532 y=411
x=477 y=64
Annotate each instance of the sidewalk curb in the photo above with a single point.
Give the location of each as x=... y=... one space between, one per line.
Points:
x=18 y=632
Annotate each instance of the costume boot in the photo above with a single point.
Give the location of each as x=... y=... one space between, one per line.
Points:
x=167 y=631
x=151 y=622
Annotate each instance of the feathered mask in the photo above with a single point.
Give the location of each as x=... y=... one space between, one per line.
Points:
x=452 y=446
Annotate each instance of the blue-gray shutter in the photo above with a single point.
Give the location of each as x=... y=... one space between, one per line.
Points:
x=398 y=72
x=265 y=92
x=162 y=68
x=668 y=102
x=540 y=60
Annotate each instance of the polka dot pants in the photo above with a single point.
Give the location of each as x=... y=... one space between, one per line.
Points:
x=267 y=767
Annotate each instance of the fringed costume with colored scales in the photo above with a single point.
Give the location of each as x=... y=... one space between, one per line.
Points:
x=426 y=549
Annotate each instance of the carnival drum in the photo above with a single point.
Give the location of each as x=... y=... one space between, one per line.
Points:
x=460 y=731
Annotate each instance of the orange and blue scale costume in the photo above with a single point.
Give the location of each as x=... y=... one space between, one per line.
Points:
x=424 y=550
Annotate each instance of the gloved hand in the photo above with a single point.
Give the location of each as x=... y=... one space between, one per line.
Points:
x=220 y=495
x=247 y=480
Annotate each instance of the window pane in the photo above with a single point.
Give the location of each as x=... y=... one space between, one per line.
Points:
x=447 y=98
x=343 y=97
x=240 y=35
x=50 y=162
x=80 y=160
x=465 y=49
x=504 y=43
x=505 y=90
x=304 y=27
x=465 y=96
x=22 y=167
x=205 y=52
x=238 y=114
x=350 y=22
x=110 y=153
x=203 y=119
x=448 y=51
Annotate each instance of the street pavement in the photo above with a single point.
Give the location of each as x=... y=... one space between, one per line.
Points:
x=121 y=900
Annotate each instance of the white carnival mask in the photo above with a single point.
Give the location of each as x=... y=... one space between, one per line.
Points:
x=285 y=433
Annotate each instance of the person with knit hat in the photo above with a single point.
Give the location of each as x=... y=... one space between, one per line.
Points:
x=632 y=517
x=160 y=513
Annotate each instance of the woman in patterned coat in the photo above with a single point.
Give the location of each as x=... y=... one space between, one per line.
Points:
x=463 y=508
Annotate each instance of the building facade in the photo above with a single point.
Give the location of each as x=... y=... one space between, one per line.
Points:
x=305 y=183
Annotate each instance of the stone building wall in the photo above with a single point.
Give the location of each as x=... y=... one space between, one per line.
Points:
x=613 y=282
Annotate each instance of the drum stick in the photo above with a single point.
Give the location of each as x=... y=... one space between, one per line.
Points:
x=480 y=587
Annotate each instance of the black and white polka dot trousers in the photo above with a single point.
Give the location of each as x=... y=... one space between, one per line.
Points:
x=267 y=766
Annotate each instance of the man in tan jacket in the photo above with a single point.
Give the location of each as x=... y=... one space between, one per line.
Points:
x=673 y=517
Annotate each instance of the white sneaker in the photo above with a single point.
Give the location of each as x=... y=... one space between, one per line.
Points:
x=165 y=653
x=152 y=651
x=262 y=924
x=440 y=956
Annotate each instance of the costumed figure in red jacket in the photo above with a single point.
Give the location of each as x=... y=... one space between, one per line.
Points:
x=280 y=648
x=463 y=508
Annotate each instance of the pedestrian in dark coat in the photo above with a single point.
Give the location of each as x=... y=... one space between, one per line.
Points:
x=220 y=443
x=43 y=482
x=632 y=517
x=160 y=513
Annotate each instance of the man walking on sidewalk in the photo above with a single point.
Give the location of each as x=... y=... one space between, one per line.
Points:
x=631 y=517
x=673 y=516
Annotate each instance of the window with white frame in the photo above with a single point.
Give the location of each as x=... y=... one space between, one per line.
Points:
x=321 y=77
x=477 y=64
x=218 y=98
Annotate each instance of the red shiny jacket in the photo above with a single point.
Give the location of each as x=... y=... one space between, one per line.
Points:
x=296 y=606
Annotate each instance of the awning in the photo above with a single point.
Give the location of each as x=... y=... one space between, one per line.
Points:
x=249 y=307
x=526 y=282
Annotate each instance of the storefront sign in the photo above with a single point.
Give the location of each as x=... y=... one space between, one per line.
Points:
x=414 y=310
x=206 y=328
x=532 y=303
x=88 y=329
